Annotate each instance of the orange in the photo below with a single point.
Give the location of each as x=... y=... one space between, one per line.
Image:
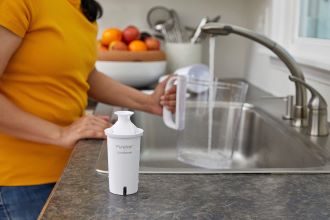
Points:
x=111 y=34
x=101 y=47
x=118 y=45
x=137 y=45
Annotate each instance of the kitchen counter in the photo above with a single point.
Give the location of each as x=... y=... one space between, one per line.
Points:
x=82 y=193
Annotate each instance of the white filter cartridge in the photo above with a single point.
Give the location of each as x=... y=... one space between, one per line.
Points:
x=123 y=141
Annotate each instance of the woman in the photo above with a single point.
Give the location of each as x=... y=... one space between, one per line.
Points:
x=47 y=56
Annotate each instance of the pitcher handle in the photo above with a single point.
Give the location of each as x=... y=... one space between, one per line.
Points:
x=179 y=122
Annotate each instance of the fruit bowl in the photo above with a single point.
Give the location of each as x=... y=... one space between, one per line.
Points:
x=130 y=56
x=137 y=69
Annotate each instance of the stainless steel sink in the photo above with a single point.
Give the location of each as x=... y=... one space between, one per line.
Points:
x=265 y=144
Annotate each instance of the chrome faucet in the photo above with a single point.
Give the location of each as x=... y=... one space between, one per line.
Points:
x=300 y=108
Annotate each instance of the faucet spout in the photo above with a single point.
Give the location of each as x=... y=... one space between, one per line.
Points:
x=300 y=108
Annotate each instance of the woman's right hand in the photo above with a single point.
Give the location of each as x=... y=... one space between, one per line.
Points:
x=89 y=126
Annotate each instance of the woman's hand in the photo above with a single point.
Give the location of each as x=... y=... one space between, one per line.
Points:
x=168 y=100
x=88 y=126
x=161 y=99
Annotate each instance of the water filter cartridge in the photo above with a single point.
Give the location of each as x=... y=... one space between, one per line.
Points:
x=123 y=142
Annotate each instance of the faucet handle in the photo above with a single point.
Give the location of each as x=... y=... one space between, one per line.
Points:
x=289 y=99
x=317 y=101
x=318 y=113
x=289 y=103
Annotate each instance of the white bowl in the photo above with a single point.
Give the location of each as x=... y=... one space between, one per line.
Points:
x=137 y=74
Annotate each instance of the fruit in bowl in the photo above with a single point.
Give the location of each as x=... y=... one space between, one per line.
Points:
x=137 y=45
x=130 y=34
x=142 y=46
x=118 y=45
x=110 y=35
x=132 y=57
x=152 y=43
x=128 y=39
x=144 y=36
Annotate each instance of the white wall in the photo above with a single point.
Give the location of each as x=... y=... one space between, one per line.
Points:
x=231 y=51
x=269 y=73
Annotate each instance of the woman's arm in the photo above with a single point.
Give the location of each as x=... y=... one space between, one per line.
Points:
x=107 y=90
x=21 y=124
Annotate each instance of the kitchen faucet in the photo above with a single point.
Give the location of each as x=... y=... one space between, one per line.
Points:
x=300 y=108
x=317 y=111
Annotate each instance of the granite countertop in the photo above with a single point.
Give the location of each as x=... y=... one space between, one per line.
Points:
x=82 y=193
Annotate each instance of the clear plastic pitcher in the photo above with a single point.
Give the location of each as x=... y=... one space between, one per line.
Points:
x=207 y=120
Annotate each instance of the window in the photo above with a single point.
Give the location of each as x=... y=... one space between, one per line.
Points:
x=314 y=19
x=303 y=28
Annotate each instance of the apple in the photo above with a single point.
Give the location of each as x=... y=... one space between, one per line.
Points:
x=118 y=45
x=130 y=33
x=152 y=43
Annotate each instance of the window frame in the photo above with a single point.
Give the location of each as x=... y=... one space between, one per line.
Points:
x=284 y=29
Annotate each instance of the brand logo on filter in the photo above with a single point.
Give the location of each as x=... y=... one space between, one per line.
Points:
x=124 y=149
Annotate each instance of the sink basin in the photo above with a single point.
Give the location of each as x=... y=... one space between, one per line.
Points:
x=265 y=145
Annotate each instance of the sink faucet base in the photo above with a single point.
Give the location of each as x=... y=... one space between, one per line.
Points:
x=299 y=117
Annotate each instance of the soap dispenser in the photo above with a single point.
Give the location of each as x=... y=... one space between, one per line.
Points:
x=123 y=142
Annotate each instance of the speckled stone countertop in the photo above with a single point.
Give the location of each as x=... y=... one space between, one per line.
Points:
x=82 y=193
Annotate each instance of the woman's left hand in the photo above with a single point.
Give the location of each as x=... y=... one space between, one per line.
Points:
x=161 y=99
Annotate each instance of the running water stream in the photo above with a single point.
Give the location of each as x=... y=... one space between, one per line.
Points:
x=211 y=93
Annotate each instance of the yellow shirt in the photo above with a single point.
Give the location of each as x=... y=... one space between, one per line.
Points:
x=47 y=76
